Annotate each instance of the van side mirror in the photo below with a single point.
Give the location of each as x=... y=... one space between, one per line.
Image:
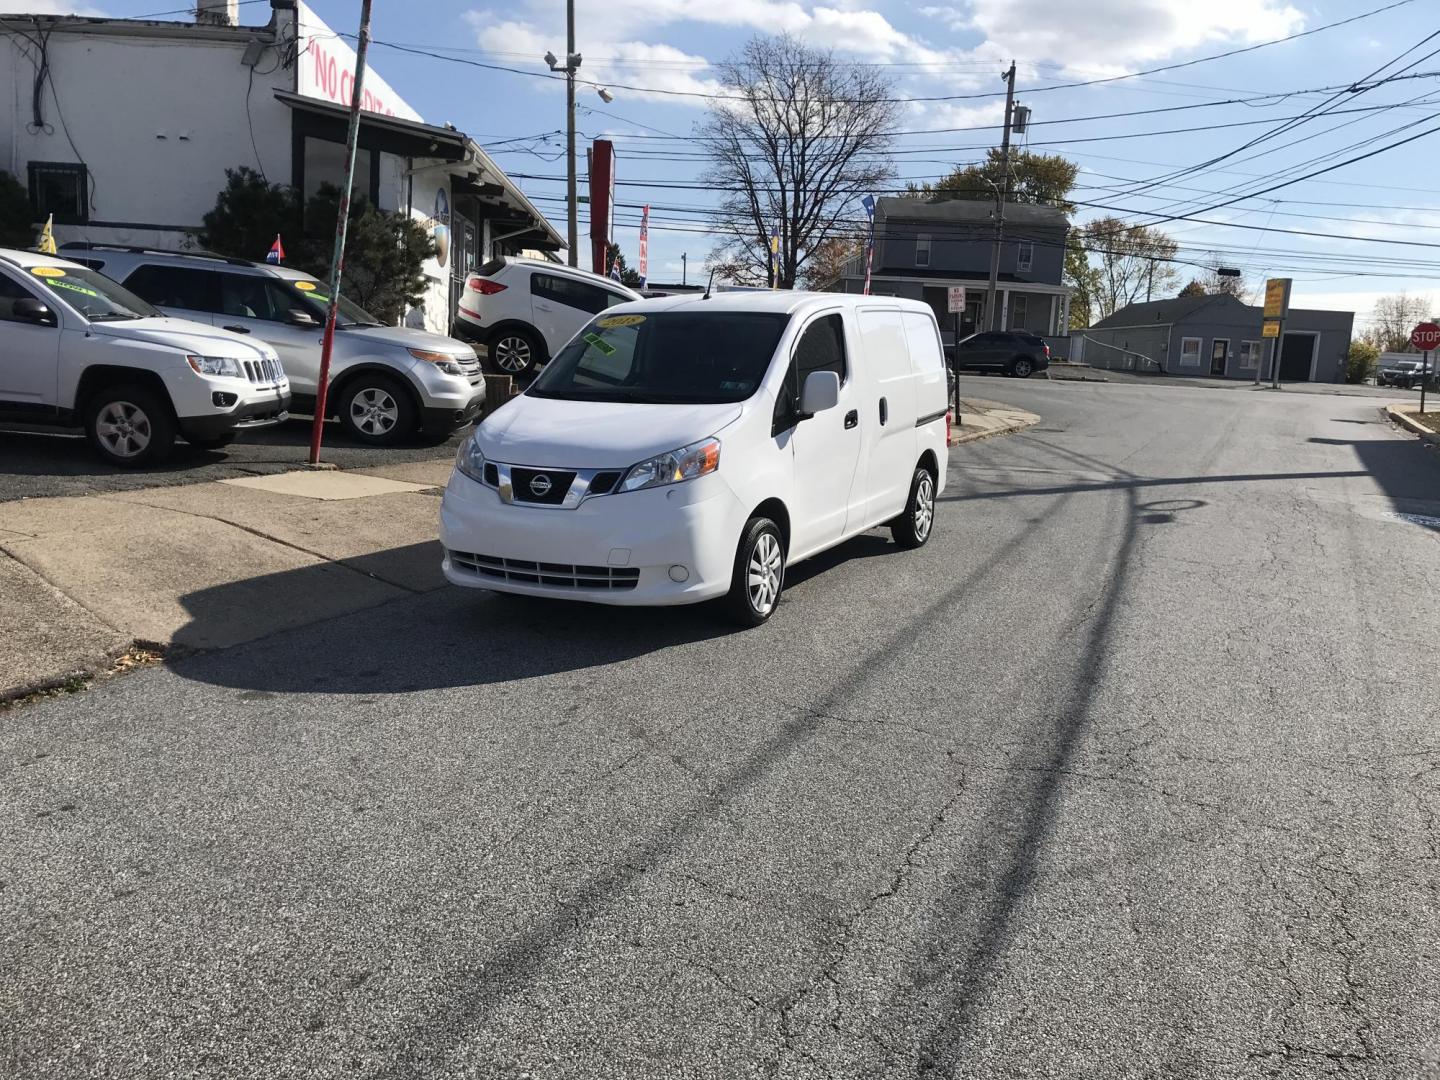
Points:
x=821 y=392
x=34 y=311
x=297 y=317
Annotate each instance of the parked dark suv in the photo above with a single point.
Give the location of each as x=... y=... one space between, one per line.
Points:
x=1013 y=351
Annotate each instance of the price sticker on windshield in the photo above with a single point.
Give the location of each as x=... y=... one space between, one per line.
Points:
x=47 y=271
x=595 y=341
x=616 y=321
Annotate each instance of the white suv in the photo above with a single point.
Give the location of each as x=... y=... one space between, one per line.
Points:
x=385 y=381
x=76 y=349
x=525 y=310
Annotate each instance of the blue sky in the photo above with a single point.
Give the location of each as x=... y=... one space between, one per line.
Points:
x=952 y=47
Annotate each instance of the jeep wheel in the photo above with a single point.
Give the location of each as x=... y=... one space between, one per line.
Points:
x=130 y=426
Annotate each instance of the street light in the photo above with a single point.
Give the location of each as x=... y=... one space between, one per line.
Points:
x=572 y=62
x=605 y=95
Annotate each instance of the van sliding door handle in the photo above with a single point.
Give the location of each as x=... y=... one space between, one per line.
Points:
x=884 y=411
x=852 y=419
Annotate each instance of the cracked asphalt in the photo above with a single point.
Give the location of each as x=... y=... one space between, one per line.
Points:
x=1132 y=772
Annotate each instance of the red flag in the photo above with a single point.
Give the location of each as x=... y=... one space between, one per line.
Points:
x=277 y=251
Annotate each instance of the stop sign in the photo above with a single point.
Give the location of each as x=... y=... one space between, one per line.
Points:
x=1425 y=337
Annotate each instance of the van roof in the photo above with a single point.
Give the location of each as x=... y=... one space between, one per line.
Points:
x=779 y=301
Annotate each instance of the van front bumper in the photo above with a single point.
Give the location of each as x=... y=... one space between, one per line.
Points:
x=624 y=549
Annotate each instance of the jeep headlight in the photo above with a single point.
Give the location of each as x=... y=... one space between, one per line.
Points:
x=673 y=467
x=215 y=365
x=470 y=461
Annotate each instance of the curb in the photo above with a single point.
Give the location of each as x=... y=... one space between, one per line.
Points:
x=1398 y=417
x=1007 y=429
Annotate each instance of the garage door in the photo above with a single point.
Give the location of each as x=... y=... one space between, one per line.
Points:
x=1296 y=356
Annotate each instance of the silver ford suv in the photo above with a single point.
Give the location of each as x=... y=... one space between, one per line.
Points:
x=386 y=382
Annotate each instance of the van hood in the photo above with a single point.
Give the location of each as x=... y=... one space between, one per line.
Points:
x=550 y=433
x=404 y=338
x=184 y=335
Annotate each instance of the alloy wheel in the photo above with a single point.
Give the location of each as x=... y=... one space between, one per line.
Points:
x=124 y=429
x=512 y=354
x=764 y=573
x=924 y=507
x=1023 y=369
x=374 y=412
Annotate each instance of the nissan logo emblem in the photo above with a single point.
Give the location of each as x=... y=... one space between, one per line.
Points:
x=540 y=486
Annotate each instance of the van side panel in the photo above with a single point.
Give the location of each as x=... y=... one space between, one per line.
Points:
x=891 y=442
x=932 y=395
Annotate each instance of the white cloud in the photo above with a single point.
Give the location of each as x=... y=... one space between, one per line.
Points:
x=1115 y=36
x=47 y=7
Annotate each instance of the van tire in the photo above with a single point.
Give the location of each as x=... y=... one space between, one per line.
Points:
x=913 y=528
x=762 y=549
x=375 y=409
x=130 y=426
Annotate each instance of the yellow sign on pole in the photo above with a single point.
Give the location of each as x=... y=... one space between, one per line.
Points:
x=1272 y=328
x=1277 y=299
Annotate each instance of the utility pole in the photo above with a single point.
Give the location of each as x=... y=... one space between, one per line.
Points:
x=1150 y=281
x=571 y=63
x=684 y=266
x=337 y=258
x=992 y=309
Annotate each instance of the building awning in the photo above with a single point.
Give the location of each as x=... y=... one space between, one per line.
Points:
x=387 y=134
x=472 y=171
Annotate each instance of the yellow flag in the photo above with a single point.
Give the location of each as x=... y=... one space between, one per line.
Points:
x=47 y=237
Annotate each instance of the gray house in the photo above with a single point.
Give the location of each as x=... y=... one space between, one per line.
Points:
x=924 y=248
x=1219 y=337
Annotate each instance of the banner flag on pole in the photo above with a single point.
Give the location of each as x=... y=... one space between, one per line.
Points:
x=644 y=245
x=276 y=254
x=869 y=203
x=47 y=237
x=775 y=259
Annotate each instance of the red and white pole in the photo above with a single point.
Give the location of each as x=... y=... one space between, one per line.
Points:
x=342 y=224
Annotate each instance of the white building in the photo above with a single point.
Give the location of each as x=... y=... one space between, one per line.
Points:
x=123 y=129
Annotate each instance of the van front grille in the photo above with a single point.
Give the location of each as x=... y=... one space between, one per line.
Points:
x=555 y=575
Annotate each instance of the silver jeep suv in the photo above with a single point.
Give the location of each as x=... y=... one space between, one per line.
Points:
x=386 y=382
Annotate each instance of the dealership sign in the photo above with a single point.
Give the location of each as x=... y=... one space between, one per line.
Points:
x=326 y=71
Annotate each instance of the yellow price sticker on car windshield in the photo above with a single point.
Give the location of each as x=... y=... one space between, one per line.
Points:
x=47 y=271
x=616 y=321
x=305 y=286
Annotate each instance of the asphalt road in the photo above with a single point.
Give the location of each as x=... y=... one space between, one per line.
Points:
x=1132 y=772
x=37 y=462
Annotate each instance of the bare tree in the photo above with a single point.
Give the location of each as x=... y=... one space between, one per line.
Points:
x=1392 y=320
x=1133 y=263
x=796 y=143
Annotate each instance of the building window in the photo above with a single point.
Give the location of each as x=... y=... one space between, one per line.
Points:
x=1190 y=351
x=922 y=251
x=1249 y=354
x=60 y=188
x=1019 y=307
x=1026 y=257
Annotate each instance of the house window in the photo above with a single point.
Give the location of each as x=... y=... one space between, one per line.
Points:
x=922 y=251
x=1026 y=257
x=1249 y=354
x=1190 y=351
x=1019 y=306
x=60 y=188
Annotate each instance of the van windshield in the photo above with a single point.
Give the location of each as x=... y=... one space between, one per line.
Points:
x=669 y=357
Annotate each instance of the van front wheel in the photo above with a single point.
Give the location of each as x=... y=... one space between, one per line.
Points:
x=759 y=573
x=912 y=528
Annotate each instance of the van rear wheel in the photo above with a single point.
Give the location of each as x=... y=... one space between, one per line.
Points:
x=912 y=528
x=758 y=574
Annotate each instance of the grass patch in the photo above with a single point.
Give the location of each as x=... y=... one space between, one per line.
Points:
x=137 y=656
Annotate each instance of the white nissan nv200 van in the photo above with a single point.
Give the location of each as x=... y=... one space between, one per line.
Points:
x=687 y=448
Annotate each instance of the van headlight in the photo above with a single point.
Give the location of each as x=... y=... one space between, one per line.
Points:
x=215 y=365
x=470 y=461
x=697 y=459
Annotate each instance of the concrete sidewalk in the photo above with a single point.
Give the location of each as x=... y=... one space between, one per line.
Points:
x=87 y=579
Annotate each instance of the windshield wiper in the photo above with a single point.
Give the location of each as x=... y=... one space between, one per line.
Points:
x=108 y=316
